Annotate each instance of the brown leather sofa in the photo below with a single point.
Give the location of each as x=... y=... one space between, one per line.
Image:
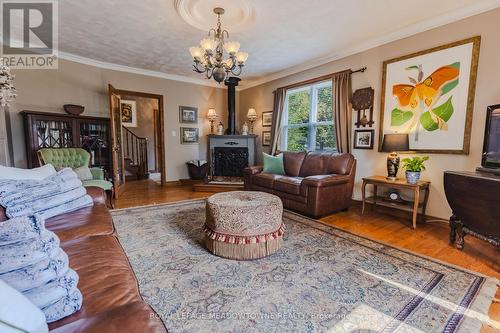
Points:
x=111 y=299
x=315 y=184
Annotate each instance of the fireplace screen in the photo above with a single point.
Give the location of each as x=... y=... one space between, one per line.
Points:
x=230 y=162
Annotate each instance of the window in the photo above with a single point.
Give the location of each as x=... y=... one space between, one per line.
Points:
x=308 y=119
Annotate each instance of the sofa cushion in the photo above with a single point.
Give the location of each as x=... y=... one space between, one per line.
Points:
x=339 y=164
x=264 y=179
x=314 y=164
x=106 y=278
x=133 y=317
x=90 y=221
x=293 y=162
x=288 y=184
x=83 y=173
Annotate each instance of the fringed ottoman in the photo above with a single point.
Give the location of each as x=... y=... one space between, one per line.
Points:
x=243 y=224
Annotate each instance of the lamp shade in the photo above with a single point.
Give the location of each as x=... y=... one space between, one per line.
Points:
x=231 y=47
x=196 y=52
x=211 y=115
x=241 y=57
x=252 y=114
x=395 y=142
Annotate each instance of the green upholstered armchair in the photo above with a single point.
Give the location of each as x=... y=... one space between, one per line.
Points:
x=74 y=158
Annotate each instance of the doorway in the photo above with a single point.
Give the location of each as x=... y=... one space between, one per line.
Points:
x=137 y=136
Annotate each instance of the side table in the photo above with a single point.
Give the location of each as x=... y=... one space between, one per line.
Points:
x=413 y=207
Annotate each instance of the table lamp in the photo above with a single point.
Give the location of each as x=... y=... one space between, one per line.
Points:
x=392 y=144
x=211 y=116
x=251 y=116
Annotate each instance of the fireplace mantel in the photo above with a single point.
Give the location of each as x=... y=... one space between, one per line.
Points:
x=231 y=141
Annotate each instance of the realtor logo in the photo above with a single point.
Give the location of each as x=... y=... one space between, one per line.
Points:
x=29 y=34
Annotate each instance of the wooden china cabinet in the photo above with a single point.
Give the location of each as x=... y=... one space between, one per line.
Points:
x=55 y=130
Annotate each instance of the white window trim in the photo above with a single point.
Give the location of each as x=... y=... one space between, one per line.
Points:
x=313 y=123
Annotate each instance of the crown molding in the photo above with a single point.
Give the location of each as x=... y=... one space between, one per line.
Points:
x=135 y=70
x=448 y=18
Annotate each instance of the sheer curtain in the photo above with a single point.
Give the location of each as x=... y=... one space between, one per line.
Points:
x=342 y=92
x=279 y=105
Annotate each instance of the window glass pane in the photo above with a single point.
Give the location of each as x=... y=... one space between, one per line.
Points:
x=325 y=103
x=299 y=104
x=297 y=139
x=325 y=140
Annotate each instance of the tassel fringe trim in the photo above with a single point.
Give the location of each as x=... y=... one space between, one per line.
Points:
x=244 y=239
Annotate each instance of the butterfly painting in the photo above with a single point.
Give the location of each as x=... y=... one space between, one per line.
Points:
x=418 y=100
x=427 y=95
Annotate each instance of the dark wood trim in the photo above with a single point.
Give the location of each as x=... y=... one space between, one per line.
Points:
x=470 y=98
x=160 y=128
x=63 y=115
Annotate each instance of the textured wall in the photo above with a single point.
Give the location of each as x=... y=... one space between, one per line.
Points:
x=372 y=162
x=49 y=90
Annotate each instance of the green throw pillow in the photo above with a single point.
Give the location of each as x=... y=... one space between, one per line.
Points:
x=274 y=164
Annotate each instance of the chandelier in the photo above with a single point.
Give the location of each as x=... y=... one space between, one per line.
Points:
x=209 y=59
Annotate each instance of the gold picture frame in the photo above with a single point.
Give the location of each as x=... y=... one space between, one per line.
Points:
x=467 y=102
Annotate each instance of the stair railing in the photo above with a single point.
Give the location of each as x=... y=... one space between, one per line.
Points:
x=136 y=149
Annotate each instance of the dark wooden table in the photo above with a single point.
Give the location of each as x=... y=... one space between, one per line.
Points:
x=413 y=207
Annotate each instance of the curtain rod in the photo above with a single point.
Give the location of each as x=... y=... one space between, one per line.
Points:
x=361 y=70
x=322 y=78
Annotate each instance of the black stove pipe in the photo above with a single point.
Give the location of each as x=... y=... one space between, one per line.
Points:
x=231 y=84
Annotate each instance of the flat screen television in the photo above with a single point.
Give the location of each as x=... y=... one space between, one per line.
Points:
x=491 y=146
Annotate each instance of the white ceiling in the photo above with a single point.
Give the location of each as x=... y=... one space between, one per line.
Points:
x=283 y=35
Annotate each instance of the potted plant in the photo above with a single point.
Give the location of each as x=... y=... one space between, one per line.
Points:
x=414 y=166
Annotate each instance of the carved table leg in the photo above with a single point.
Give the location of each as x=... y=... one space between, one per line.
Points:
x=460 y=234
x=453 y=229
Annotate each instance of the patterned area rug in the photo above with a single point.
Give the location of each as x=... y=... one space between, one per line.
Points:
x=323 y=279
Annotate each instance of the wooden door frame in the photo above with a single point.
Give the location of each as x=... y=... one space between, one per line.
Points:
x=117 y=189
x=160 y=127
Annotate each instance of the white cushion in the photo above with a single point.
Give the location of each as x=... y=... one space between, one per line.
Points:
x=18 y=314
x=83 y=173
x=21 y=174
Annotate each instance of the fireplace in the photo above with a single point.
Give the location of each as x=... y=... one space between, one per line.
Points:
x=229 y=155
x=230 y=162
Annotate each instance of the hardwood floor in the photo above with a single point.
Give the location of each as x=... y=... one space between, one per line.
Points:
x=429 y=239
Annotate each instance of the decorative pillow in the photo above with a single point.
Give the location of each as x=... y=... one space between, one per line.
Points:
x=34 y=264
x=83 y=173
x=18 y=314
x=273 y=164
x=23 y=174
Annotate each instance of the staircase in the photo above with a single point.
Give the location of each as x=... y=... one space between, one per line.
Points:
x=135 y=150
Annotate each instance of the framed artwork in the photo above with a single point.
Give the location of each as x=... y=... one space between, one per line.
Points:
x=267 y=118
x=129 y=113
x=363 y=139
x=266 y=138
x=430 y=96
x=189 y=136
x=188 y=115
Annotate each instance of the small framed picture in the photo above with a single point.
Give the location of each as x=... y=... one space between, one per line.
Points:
x=129 y=113
x=266 y=138
x=188 y=115
x=363 y=139
x=267 y=118
x=189 y=136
